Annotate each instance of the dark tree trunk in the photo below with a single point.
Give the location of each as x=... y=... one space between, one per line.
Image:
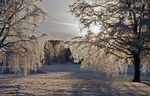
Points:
x=136 y=68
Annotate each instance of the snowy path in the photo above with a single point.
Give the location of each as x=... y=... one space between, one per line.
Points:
x=69 y=80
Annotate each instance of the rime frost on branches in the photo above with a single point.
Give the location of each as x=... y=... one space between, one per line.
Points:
x=54 y=51
x=19 y=22
x=96 y=59
x=23 y=57
x=123 y=36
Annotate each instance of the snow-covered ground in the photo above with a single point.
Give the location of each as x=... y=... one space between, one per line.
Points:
x=69 y=80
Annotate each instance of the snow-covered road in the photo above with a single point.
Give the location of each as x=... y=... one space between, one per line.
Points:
x=69 y=80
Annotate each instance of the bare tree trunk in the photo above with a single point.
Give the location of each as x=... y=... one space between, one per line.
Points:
x=136 y=68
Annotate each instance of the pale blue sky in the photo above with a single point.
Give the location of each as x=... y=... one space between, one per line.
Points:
x=60 y=24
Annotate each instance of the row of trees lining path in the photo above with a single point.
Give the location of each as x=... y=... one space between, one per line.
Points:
x=123 y=38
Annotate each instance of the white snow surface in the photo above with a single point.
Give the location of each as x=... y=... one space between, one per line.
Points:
x=69 y=80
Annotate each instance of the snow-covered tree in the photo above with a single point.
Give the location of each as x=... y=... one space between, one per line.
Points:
x=19 y=22
x=54 y=51
x=123 y=38
x=49 y=52
x=23 y=57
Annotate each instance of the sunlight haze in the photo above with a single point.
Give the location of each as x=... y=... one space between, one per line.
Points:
x=60 y=24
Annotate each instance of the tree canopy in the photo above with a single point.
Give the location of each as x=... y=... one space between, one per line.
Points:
x=19 y=23
x=123 y=38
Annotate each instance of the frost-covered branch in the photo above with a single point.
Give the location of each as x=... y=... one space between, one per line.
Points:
x=19 y=22
x=123 y=36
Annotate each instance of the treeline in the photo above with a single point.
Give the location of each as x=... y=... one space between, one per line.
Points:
x=57 y=51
